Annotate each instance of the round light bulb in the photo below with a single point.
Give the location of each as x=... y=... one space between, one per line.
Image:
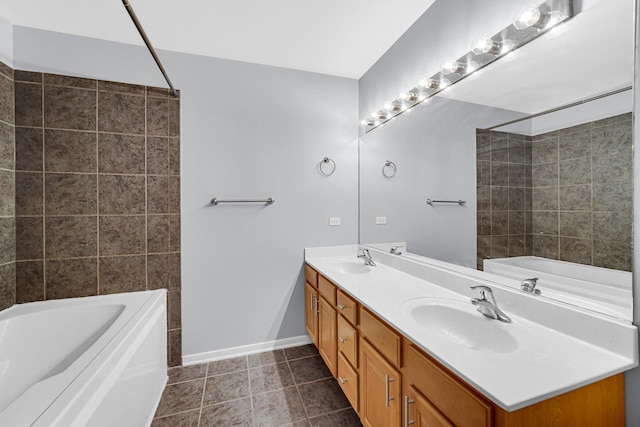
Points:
x=528 y=16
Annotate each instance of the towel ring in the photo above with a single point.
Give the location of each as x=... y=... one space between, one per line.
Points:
x=331 y=168
x=389 y=169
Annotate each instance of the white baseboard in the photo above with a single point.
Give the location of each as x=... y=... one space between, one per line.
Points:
x=227 y=353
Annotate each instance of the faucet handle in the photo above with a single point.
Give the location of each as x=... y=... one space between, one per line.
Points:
x=483 y=289
x=529 y=286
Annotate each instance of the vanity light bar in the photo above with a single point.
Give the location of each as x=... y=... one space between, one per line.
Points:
x=529 y=23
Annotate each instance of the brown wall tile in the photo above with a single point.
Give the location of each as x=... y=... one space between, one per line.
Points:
x=123 y=274
x=157 y=194
x=174 y=156
x=28 y=104
x=174 y=234
x=70 y=278
x=616 y=255
x=174 y=306
x=29 y=281
x=174 y=194
x=174 y=117
x=29 y=149
x=5 y=70
x=122 y=235
x=175 y=347
x=7 y=285
x=7 y=192
x=158 y=227
x=7 y=95
x=122 y=194
x=158 y=116
x=613 y=226
x=70 y=236
x=175 y=272
x=29 y=242
x=158 y=271
x=576 y=250
x=27 y=76
x=121 y=87
x=29 y=193
x=574 y=145
x=121 y=113
x=69 y=151
x=7 y=146
x=70 y=194
x=69 y=81
x=122 y=154
x=69 y=108
x=157 y=156
x=7 y=239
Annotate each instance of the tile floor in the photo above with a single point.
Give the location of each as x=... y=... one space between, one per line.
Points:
x=290 y=387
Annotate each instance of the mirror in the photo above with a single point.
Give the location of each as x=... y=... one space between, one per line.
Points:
x=557 y=186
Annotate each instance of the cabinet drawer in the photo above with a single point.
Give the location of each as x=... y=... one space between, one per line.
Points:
x=347 y=307
x=348 y=341
x=348 y=380
x=381 y=336
x=311 y=275
x=327 y=289
x=452 y=398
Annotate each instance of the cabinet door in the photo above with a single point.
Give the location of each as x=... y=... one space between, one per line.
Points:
x=419 y=412
x=327 y=336
x=379 y=389
x=311 y=311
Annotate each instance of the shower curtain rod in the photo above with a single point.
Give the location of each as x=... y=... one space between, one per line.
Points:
x=563 y=107
x=134 y=18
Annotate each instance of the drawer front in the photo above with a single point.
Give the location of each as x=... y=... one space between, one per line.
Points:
x=311 y=275
x=327 y=289
x=452 y=398
x=348 y=380
x=381 y=336
x=347 y=307
x=348 y=341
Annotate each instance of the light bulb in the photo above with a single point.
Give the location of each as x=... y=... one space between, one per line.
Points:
x=429 y=84
x=393 y=107
x=528 y=16
x=368 y=122
x=451 y=66
x=488 y=45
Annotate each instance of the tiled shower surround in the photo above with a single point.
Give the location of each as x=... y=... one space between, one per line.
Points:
x=97 y=191
x=7 y=185
x=563 y=195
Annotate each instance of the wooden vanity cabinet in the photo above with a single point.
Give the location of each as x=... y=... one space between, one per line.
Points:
x=380 y=383
x=311 y=311
x=312 y=308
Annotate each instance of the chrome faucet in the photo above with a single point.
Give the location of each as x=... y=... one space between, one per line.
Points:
x=486 y=307
x=366 y=256
x=529 y=286
x=395 y=250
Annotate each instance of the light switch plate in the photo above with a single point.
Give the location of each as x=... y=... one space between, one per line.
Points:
x=334 y=221
x=381 y=220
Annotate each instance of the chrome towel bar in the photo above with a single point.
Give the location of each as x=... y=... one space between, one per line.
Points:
x=459 y=202
x=268 y=201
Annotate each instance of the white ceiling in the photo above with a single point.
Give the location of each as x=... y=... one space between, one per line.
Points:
x=337 y=37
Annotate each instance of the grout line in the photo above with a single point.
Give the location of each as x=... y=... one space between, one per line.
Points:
x=97 y=196
x=253 y=413
x=204 y=388
x=295 y=383
x=44 y=200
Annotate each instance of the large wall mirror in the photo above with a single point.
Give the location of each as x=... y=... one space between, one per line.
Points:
x=556 y=185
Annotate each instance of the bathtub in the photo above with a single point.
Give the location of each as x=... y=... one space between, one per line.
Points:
x=94 y=361
x=594 y=288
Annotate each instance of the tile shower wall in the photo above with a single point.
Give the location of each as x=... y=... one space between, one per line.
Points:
x=581 y=195
x=504 y=195
x=7 y=185
x=97 y=191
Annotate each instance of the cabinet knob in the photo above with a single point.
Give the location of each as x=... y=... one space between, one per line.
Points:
x=342 y=340
x=341 y=307
x=343 y=380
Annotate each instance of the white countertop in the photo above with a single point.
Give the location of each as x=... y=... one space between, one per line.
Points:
x=554 y=353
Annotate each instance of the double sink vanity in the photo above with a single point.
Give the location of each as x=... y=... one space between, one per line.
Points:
x=415 y=341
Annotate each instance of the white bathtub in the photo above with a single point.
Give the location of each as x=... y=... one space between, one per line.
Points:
x=94 y=361
x=595 y=288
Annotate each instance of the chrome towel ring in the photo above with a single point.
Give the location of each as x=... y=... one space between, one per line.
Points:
x=389 y=169
x=327 y=166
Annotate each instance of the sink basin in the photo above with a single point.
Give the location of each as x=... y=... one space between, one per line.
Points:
x=349 y=267
x=458 y=322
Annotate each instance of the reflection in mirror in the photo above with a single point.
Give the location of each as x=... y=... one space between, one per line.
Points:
x=554 y=186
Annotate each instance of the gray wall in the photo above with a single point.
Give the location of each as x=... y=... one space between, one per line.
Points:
x=247 y=131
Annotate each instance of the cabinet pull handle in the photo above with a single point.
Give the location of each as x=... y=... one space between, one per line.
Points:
x=317 y=305
x=343 y=380
x=387 y=398
x=407 y=421
x=311 y=302
x=341 y=307
x=342 y=340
